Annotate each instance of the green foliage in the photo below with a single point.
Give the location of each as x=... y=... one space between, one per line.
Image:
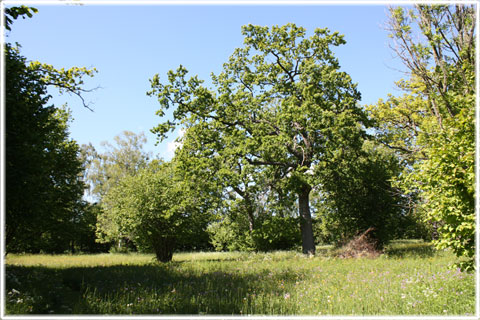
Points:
x=432 y=124
x=270 y=233
x=277 y=233
x=414 y=226
x=154 y=209
x=104 y=171
x=85 y=227
x=43 y=170
x=125 y=158
x=357 y=194
x=281 y=101
x=203 y=156
x=14 y=13
x=248 y=194
x=447 y=182
x=231 y=234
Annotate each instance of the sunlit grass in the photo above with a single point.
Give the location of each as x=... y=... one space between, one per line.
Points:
x=409 y=279
x=66 y=260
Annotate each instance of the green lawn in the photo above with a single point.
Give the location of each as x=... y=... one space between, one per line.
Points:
x=409 y=279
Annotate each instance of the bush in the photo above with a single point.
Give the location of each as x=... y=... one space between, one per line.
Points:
x=231 y=234
x=277 y=233
x=357 y=194
x=271 y=233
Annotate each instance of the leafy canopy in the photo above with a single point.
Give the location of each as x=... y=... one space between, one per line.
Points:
x=280 y=101
x=43 y=171
x=156 y=208
x=432 y=126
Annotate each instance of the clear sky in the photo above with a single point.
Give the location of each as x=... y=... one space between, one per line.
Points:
x=128 y=44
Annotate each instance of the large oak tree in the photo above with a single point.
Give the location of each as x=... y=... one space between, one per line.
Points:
x=280 y=101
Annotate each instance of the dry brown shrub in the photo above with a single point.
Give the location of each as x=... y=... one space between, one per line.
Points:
x=360 y=246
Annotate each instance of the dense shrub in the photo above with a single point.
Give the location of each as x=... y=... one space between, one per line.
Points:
x=357 y=194
x=271 y=233
x=231 y=234
x=277 y=233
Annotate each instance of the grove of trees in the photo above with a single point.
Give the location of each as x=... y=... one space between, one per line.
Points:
x=278 y=154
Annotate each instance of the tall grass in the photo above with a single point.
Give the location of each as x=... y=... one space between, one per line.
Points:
x=409 y=279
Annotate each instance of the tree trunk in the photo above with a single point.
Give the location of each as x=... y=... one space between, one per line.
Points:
x=308 y=243
x=163 y=247
x=250 y=213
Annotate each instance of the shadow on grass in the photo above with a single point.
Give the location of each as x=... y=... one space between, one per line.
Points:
x=147 y=289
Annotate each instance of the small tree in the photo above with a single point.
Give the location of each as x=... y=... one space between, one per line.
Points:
x=156 y=208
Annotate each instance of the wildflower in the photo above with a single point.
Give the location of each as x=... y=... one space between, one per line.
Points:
x=286 y=296
x=14 y=292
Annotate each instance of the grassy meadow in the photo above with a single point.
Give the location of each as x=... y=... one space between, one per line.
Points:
x=411 y=278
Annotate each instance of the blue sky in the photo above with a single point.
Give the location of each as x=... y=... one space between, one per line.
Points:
x=129 y=44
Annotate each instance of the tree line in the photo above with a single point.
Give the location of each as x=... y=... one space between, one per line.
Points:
x=277 y=154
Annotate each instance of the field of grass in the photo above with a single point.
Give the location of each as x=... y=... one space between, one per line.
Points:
x=409 y=279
